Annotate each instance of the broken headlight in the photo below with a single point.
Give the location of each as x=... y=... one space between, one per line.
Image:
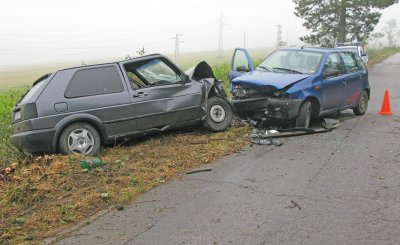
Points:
x=239 y=91
x=281 y=95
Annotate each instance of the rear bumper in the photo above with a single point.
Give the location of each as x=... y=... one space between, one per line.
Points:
x=269 y=108
x=34 y=141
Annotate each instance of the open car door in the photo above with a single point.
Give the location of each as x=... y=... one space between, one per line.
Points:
x=241 y=64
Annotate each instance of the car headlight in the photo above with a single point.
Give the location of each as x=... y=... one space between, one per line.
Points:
x=240 y=91
x=281 y=95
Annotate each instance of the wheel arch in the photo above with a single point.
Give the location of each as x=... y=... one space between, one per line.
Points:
x=79 y=118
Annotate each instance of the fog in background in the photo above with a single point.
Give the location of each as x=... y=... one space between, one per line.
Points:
x=44 y=31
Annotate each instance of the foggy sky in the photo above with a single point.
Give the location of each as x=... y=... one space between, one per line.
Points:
x=55 y=31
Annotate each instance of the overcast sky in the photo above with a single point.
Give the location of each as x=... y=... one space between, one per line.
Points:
x=46 y=31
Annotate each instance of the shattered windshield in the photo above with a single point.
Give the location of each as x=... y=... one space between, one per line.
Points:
x=292 y=61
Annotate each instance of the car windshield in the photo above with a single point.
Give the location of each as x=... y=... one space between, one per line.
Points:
x=292 y=61
x=157 y=71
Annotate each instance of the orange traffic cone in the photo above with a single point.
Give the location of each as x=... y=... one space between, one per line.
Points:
x=385 y=110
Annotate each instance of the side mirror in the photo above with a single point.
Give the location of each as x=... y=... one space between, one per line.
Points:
x=331 y=72
x=185 y=78
x=242 y=68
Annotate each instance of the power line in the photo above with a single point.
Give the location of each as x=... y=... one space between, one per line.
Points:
x=177 y=42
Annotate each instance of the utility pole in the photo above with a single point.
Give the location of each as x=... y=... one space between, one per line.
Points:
x=177 y=41
x=244 y=40
x=221 y=36
x=279 y=36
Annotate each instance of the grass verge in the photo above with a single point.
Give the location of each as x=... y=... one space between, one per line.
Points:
x=53 y=192
x=377 y=55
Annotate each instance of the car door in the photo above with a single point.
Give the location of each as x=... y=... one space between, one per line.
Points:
x=354 y=78
x=333 y=83
x=98 y=91
x=241 y=63
x=160 y=95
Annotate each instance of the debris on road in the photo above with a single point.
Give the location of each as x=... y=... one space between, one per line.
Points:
x=295 y=204
x=262 y=136
x=199 y=171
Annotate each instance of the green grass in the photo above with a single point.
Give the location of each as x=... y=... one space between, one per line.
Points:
x=7 y=101
x=377 y=55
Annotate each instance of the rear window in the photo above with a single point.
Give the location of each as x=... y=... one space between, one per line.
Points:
x=94 y=81
x=36 y=87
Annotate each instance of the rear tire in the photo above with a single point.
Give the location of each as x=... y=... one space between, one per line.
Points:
x=362 y=104
x=304 y=118
x=219 y=114
x=80 y=139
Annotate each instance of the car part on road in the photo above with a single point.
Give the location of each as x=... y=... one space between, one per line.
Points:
x=266 y=137
x=199 y=171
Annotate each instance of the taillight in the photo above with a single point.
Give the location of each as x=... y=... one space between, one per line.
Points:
x=25 y=111
x=17 y=115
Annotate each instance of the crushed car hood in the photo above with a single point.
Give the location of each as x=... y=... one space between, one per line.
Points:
x=277 y=80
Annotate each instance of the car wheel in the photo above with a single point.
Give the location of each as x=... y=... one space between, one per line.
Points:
x=81 y=139
x=304 y=118
x=219 y=114
x=362 y=105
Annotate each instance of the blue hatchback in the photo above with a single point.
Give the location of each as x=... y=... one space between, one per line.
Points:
x=298 y=84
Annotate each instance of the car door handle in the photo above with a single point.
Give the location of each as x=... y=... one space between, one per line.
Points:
x=344 y=83
x=140 y=94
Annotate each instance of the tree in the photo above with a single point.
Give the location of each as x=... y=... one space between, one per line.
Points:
x=390 y=30
x=376 y=36
x=339 y=20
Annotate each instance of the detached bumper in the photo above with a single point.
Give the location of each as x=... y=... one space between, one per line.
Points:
x=270 y=108
x=34 y=141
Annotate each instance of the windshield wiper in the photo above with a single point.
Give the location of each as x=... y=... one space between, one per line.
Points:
x=286 y=69
x=265 y=68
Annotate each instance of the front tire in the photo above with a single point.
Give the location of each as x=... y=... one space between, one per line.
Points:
x=219 y=114
x=362 y=104
x=304 y=118
x=80 y=139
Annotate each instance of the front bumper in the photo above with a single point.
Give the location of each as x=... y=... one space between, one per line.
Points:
x=269 y=108
x=34 y=141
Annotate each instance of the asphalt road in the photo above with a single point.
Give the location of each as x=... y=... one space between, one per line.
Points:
x=341 y=187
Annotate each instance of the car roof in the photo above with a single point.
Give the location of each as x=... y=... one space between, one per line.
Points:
x=313 y=49
x=347 y=47
x=113 y=63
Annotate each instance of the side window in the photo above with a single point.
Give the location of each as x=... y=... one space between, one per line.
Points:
x=360 y=63
x=333 y=66
x=349 y=62
x=94 y=81
x=152 y=72
x=240 y=62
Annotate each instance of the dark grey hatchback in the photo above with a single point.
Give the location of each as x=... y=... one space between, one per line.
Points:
x=79 y=109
